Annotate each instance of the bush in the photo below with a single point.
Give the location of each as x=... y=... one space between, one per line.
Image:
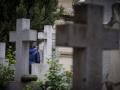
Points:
x=10 y=55
x=6 y=75
x=28 y=87
x=56 y=78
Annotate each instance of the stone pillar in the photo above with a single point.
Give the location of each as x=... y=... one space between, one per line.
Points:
x=48 y=30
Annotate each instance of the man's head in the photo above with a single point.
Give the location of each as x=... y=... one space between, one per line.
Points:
x=33 y=45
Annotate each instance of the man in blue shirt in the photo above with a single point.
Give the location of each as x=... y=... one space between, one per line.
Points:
x=34 y=56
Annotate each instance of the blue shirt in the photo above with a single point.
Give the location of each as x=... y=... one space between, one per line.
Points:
x=34 y=55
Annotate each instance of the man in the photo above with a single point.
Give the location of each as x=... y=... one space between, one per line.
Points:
x=34 y=56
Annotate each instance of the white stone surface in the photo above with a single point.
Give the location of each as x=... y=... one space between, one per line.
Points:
x=48 y=29
x=66 y=61
x=47 y=37
x=115 y=66
x=2 y=50
x=42 y=35
x=22 y=37
x=111 y=67
x=106 y=63
x=3 y=60
x=40 y=70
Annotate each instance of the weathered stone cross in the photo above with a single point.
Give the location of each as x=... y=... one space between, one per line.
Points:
x=88 y=37
x=47 y=37
x=22 y=37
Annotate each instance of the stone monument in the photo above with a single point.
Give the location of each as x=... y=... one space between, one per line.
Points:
x=47 y=38
x=22 y=37
x=88 y=37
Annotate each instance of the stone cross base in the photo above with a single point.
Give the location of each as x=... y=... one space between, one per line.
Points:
x=40 y=70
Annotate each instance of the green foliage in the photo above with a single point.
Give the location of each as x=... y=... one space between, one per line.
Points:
x=21 y=10
x=60 y=12
x=28 y=87
x=7 y=18
x=56 y=78
x=50 y=9
x=35 y=86
x=40 y=12
x=54 y=75
x=10 y=55
x=6 y=74
x=37 y=16
x=44 y=12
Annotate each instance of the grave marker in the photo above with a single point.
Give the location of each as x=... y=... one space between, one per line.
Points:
x=22 y=37
x=47 y=37
x=88 y=37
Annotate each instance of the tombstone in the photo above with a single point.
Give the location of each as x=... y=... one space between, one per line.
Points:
x=2 y=54
x=22 y=36
x=111 y=57
x=47 y=37
x=88 y=37
x=41 y=69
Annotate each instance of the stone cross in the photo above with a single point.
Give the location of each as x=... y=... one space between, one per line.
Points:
x=22 y=37
x=47 y=43
x=88 y=37
x=47 y=37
